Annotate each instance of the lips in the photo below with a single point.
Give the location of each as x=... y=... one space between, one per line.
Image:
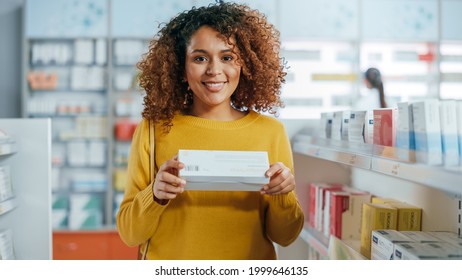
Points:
x=214 y=86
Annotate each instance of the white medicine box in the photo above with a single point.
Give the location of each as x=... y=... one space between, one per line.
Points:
x=224 y=170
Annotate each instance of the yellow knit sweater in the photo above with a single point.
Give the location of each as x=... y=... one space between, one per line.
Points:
x=209 y=224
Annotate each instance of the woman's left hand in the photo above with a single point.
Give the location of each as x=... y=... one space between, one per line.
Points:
x=281 y=180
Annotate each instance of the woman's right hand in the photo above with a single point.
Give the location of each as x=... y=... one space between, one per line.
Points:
x=167 y=184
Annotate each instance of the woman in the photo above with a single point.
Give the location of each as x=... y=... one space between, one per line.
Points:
x=374 y=98
x=206 y=76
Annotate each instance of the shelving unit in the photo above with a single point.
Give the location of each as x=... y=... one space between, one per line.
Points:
x=435 y=189
x=27 y=154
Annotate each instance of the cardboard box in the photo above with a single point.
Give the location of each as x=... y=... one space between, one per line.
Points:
x=427 y=130
x=325 y=124
x=427 y=251
x=421 y=236
x=369 y=127
x=405 y=141
x=383 y=200
x=337 y=121
x=409 y=216
x=374 y=217
x=356 y=126
x=448 y=118
x=317 y=202
x=385 y=127
x=459 y=128
x=345 y=213
x=447 y=236
x=383 y=243
x=224 y=170
x=323 y=205
x=345 y=124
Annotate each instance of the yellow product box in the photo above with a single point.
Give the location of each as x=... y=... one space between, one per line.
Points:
x=383 y=200
x=409 y=216
x=216 y=170
x=375 y=216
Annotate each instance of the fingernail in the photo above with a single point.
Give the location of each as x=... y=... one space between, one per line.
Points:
x=269 y=174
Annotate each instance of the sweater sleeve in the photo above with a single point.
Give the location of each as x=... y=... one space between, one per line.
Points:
x=139 y=214
x=284 y=216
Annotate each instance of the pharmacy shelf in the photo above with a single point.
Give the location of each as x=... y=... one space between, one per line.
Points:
x=7 y=205
x=344 y=249
x=438 y=177
x=444 y=179
x=315 y=239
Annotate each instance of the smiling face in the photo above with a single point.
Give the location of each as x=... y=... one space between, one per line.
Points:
x=212 y=73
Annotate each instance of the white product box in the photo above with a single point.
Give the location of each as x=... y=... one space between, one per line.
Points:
x=369 y=127
x=405 y=142
x=337 y=121
x=427 y=251
x=448 y=118
x=427 y=131
x=459 y=128
x=345 y=124
x=6 y=187
x=421 y=236
x=224 y=170
x=325 y=125
x=6 y=245
x=383 y=243
x=448 y=237
x=356 y=126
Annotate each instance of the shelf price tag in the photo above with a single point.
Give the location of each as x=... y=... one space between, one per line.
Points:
x=352 y=160
x=395 y=169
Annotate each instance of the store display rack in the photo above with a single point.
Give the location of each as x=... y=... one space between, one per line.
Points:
x=365 y=156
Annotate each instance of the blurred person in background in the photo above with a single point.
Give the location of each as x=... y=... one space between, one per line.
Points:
x=374 y=96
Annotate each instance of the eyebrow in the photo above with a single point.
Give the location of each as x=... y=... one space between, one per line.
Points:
x=204 y=51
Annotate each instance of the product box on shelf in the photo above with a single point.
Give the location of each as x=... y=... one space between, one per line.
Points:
x=317 y=202
x=459 y=128
x=427 y=130
x=427 y=251
x=325 y=125
x=336 y=130
x=345 y=213
x=448 y=118
x=6 y=186
x=345 y=124
x=409 y=216
x=356 y=126
x=383 y=200
x=374 y=217
x=405 y=142
x=421 y=236
x=369 y=127
x=385 y=126
x=6 y=245
x=224 y=170
x=446 y=236
x=384 y=241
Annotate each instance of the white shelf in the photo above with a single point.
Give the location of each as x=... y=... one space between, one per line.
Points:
x=7 y=205
x=439 y=177
x=315 y=239
x=7 y=148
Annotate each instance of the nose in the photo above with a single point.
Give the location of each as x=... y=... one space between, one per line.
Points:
x=213 y=68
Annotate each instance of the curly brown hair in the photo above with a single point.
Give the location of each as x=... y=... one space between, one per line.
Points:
x=257 y=41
